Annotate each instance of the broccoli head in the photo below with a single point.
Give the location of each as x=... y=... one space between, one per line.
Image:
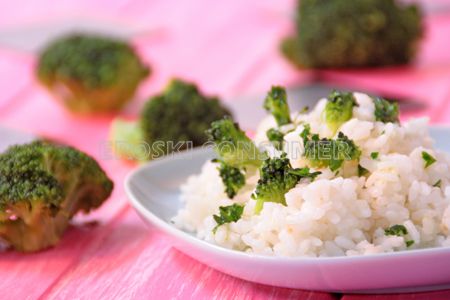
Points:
x=276 y=137
x=277 y=177
x=276 y=104
x=91 y=74
x=350 y=34
x=42 y=186
x=332 y=153
x=339 y=109
x=233 y=179
x=386 y=111
x=173 y=120
x=233 y=147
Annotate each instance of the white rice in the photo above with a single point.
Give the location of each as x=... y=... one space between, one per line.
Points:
x=335 y=215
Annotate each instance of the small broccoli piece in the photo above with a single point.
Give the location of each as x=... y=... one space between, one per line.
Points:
x=339 y=109
x=277 y=177
x=353 y=34
x=276 y=104
x=276 y=137
x=228 y=214
x=174 y=120
x=322 y=153
x=233 y=179
x=42 y=186
x=233 y=146
x=398 y=230
x=386 y=111
x=91 y=74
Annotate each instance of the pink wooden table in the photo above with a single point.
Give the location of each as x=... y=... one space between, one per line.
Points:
x=229 y=48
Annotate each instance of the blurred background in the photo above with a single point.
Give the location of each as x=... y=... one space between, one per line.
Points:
x=229 y=48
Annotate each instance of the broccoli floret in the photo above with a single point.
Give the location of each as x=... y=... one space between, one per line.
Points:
x=276 y=137
x=233 y=179
x=277 y=177
x=176 y=119
x=233 y=146
x=363 y=33
x=91 y=74
x=276 y=104
x=339 y=109
x=322 y=153
x=386 y=111
x=42 y=186
x=228 y=214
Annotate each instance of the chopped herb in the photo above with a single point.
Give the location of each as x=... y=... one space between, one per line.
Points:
x=275 y=137
x=362 y=171
x=429 y=160
x=305 y=134
x=304 y=173
x=386 y=111
x=304 y=110
x=383 y=132
x=438 y=183
x=228 y=214
x=374 y=155
x=398 y=230
x=336 y=173
x=409 y=243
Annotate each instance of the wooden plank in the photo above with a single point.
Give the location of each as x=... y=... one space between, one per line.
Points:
x=438 y=295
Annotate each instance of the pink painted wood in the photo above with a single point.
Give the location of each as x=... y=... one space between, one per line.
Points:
x=228 y=47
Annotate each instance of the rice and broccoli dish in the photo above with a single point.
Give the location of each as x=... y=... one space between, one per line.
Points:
x=346 y=178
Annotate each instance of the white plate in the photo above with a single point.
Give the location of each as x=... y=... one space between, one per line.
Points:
x=10 y=137
x=153 y=190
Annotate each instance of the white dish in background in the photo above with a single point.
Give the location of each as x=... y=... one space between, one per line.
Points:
x=153 y=190
x=10 y=137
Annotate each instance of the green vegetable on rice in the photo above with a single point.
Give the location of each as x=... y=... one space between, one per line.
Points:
x=228 y=214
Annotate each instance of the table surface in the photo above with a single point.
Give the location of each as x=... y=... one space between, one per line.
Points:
x=229 y=48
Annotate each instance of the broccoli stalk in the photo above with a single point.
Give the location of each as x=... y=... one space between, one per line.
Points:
x=175 y=119
x=42 y=186
x=91 y=74
x=236 y=152
x=277 y=177
x=339 y=109
x=233 y=147
x=276 y=104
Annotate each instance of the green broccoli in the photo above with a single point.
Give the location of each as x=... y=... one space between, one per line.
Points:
x=276 y=137
x=91 y=74
x=351 y=34
x=42 y=186
x=386 y=111
x=233 y=147
x=322 y=153
x=276 y=104
x=339 y=109
x=277 y=177
x=233 y=179
x=173 y=120
x=228 y=214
